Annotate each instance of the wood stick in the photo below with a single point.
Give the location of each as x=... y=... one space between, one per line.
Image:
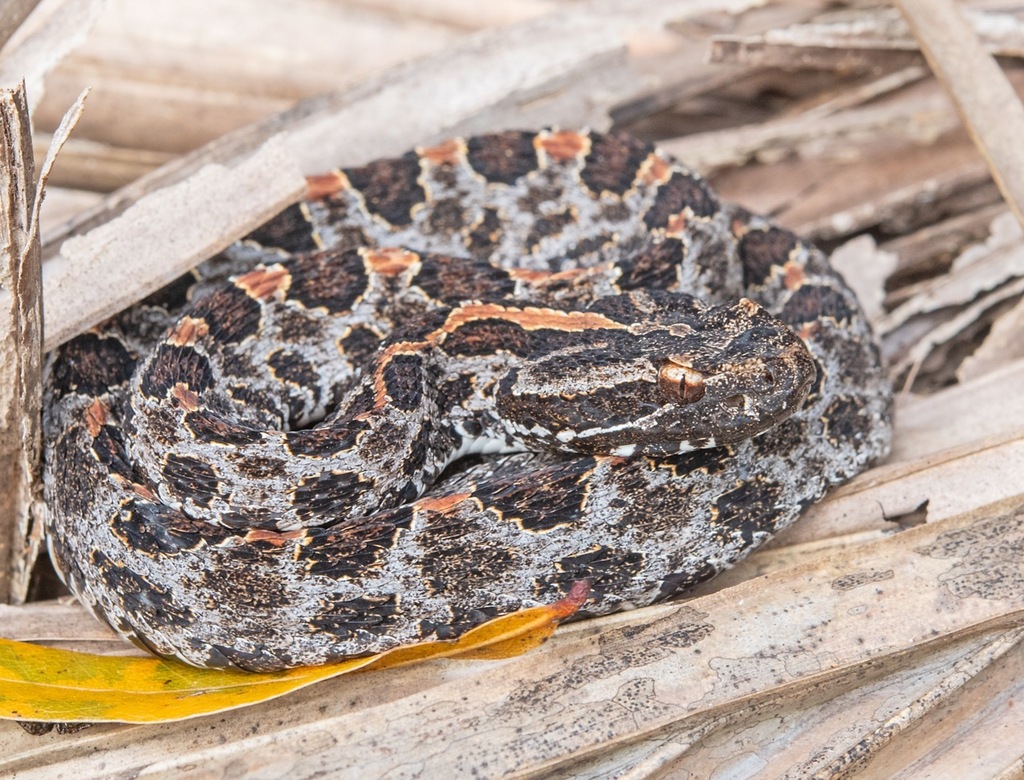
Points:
x=984 y=97
x=28 y=537
x=21 y=327
x=12 y=14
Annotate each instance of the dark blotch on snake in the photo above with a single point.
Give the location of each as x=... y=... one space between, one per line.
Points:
x=481 y=337
x=810 y=300
x=163 y=530
x=172 y=365
x=231 y=315
x=91 y=364
x=612 y=163
x=655 y=265
x=191 y=477
x=318 y=496
x=502 y=157
x=329 y=280
x=440 y=279
x=210 y=427
x=539 y=506
x=360 y=343
x=389 y=187
x=404 y=381
x=108 y=445
x=679 y=193
x=289 y=230
x=759 y=250
x=484 y=235
x=747 y=508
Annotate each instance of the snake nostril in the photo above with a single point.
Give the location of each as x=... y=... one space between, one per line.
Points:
x=769 y=377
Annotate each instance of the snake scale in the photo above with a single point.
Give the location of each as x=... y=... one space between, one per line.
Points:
x=448 y=386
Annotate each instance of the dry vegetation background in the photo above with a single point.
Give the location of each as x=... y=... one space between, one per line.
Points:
x=879 y=637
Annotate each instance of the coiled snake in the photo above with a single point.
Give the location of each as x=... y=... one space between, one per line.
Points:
x=449 y=386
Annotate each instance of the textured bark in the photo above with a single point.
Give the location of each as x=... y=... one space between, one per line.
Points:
x=21 y=323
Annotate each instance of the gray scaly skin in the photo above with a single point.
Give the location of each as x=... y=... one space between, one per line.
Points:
x=204 y=488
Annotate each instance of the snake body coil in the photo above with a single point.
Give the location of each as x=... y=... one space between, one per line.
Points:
x=446 y=387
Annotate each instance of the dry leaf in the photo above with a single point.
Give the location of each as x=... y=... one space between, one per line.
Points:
x=45 y=684
x=1002 y=346
x=865 y=268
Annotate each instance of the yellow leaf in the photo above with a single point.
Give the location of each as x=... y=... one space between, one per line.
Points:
x=515 y=634
x=45 y=684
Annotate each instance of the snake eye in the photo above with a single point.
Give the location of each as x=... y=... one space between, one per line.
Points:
x=681 y=383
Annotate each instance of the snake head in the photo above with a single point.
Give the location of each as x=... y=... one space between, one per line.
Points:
x=680 y=377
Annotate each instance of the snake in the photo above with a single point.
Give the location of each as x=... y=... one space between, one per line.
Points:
x=448 y=386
